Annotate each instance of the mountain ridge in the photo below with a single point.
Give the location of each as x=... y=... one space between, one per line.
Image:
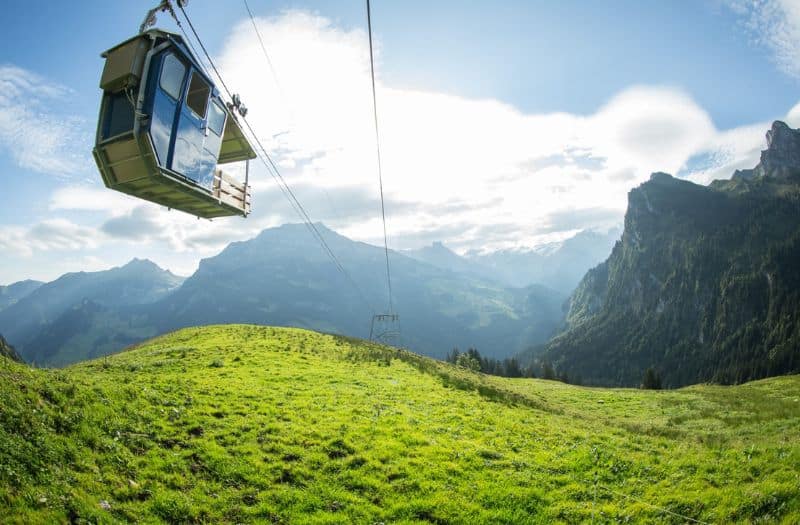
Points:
x=8 y=351
x=703 y=285
x=13 y=292
x=137 y=283
x=281 y=277
x=558 y=266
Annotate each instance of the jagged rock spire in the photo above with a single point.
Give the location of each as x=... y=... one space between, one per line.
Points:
x=782 y=156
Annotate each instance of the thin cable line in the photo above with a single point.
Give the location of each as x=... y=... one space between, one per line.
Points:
x=273 y=170
x=378 y=149
x=290 y=195
x=264 y=50
x=208 y=56
x=643 y=502
x=275 y=77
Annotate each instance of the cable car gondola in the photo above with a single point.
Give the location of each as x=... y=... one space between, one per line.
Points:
x=163 y=129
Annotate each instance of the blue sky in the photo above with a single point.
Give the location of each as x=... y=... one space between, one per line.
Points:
x=508 y=72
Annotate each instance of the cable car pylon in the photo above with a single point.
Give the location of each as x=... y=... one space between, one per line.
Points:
x=385 y=328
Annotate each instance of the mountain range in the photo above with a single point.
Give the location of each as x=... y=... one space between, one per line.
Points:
x=281 y=277
x=558 y=265
x=85 y=314
x=704 y=284
x=14 y=292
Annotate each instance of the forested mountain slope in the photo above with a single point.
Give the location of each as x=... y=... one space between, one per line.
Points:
x=63 y=312
x=7 y=351
x=14 y=292
x=703 y=286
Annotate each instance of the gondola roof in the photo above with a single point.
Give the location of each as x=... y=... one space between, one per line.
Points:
x=235 y=145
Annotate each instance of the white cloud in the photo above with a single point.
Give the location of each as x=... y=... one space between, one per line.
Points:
x=35 y=134
x=92 y=198
x=49 y=235
x=478 y=174
x=439 y=149
x=177 y=231
x=728 y=151
x=776 y=25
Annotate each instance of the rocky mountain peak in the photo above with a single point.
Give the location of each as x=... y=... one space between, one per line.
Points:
x=660 y=176
x=782 y=156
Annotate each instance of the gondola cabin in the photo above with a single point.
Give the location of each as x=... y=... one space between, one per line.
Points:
x=164 y=130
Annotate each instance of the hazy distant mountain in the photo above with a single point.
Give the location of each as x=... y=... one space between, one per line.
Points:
x=14 y=292
x=439 y=255
x=704 y=284
x=27 y=322
x=282 y=277
x=559 y=266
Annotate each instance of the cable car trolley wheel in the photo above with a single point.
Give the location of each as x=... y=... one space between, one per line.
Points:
x=163 y=129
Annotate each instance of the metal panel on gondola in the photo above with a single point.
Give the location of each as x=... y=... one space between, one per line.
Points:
x=163 y=129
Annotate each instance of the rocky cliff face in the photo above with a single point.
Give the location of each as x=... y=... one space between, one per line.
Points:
x=704 y=284
x=781 y=159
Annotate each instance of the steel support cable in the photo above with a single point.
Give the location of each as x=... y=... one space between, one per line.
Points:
x=205 y=52
x=274 y=76
x=289 y=194
x=272 y=168
x=380 y=177
x=264 y=50
x=378 y=150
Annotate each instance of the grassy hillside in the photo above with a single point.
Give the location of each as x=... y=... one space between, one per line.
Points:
x=244 y=423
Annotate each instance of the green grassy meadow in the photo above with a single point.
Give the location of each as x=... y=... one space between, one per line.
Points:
x=241 y=424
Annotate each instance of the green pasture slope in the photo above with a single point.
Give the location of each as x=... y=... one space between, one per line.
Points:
x=241 y=424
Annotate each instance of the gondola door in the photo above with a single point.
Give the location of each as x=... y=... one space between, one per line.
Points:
x=166 y=105
x=191 y=159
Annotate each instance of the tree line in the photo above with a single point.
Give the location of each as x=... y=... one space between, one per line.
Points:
x=510 y=367
x=473 y=360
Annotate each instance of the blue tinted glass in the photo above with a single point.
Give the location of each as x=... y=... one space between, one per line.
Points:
x=172 y=73
x=216 y=119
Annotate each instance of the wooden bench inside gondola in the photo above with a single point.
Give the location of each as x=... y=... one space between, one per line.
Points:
x=164 y=129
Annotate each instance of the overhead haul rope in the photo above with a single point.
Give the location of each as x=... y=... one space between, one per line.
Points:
x=273 y=170
x=264 y=50
x=378 y=149
x=377 y=139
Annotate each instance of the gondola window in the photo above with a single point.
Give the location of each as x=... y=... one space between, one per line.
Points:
x=172 y=74
x=216 y=119
x=197 y=98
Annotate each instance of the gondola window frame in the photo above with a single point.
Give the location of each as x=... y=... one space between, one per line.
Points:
x=192 y=92
x=216 y=118
x=173 y=90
